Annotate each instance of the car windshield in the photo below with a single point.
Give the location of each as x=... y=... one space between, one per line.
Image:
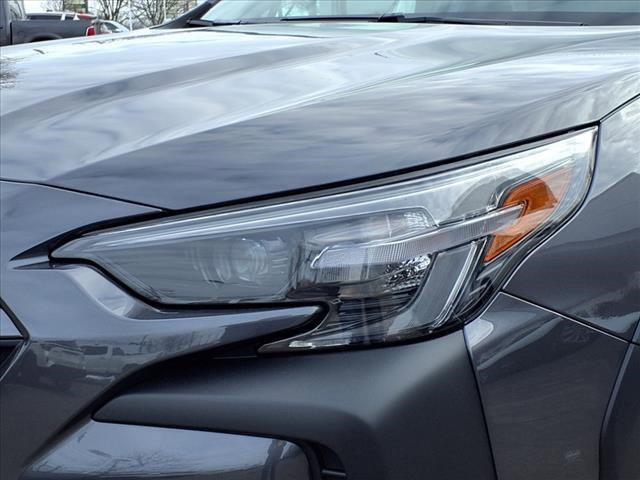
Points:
x=585 y=12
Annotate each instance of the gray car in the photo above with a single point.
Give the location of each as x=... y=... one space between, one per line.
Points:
x=326 y=239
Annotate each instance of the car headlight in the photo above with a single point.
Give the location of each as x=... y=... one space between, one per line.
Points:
x=391 y=263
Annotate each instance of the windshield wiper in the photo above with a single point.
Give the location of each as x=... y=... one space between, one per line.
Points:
x=213 y=23
x=328 y=18
x=388 y=18
x=198 y=22
x=401 y=18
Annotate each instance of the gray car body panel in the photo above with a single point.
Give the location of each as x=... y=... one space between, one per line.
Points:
x=621 y=429
x=7 y=329
x=545 y=382
x=132 y=452
x=388 y=414
x=181 y=119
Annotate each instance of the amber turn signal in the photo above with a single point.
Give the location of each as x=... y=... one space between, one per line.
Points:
x=538 y=197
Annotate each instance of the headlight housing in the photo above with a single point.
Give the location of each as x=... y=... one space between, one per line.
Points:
x=392 y=262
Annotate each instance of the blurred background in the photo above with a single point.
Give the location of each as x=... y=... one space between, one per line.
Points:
x=133 y=14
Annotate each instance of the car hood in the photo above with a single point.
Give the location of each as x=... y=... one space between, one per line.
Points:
x=185 y=118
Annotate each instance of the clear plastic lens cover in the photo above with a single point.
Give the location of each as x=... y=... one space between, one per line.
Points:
x=390 y=262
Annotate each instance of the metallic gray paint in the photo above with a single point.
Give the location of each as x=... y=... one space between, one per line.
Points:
x=545 y=382
x=621 y=429
x=182 y=119
x=7 y=328
x=111 y=451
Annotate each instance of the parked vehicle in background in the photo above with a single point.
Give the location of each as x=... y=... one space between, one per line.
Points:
x=11 y=12
x=105 y=27
x=53 y=16
x=16 y=27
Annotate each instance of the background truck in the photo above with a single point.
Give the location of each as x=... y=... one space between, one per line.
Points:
x=16 y=28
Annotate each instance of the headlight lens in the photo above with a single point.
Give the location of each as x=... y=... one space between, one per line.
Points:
x=392 y=263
